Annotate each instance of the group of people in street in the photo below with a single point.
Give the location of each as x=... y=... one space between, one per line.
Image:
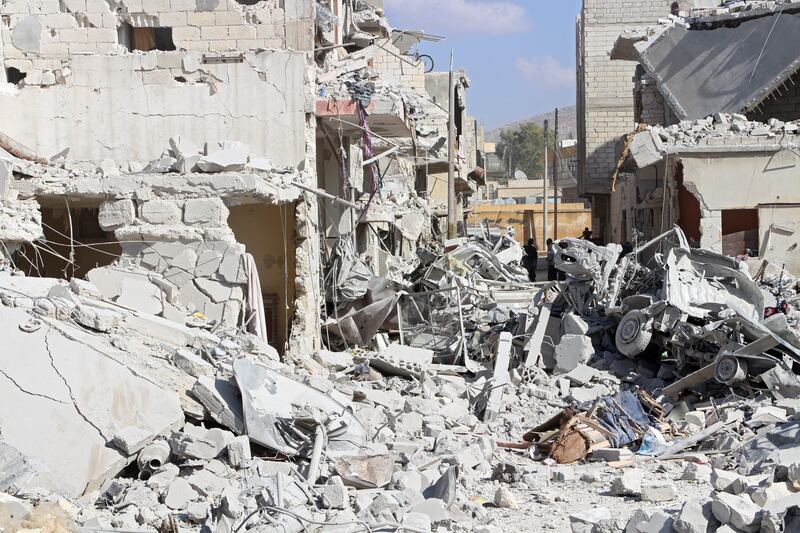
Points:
x=530 y=261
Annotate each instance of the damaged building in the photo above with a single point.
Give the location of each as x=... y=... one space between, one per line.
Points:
x=687 y=134
x=229 y=300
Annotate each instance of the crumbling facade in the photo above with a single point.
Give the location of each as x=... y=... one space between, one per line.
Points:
x=605 y=98
x=701 y=135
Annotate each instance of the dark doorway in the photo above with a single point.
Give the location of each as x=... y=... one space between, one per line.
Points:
x=740 y=232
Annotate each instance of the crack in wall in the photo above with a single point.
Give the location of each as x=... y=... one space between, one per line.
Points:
x=69 y=388
x=31 y=393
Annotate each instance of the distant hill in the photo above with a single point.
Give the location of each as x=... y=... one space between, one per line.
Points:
x=567 y=124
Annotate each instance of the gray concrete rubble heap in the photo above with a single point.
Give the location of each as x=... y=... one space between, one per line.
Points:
x=210 y=430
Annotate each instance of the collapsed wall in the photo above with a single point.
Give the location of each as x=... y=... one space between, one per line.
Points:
x=97 y=88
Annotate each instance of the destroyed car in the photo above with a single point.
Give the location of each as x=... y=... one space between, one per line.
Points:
x=699 y=306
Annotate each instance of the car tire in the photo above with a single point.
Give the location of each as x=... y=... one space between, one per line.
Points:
x=634 y=333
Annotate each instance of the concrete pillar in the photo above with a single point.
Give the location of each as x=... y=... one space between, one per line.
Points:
x=711 y=230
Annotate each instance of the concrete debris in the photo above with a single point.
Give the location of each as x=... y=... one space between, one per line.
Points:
x=282 y=335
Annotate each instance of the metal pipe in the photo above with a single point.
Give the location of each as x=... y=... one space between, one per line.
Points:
x=154 y=455
x=21 y=151
x=327 y=195
x=316 y=455
x=451 y=157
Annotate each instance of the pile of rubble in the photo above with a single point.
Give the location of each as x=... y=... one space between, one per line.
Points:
x=455 y=399
x=731 y=8
x=723 y=125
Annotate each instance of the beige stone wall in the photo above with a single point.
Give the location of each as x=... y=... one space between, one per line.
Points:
x=53 y=29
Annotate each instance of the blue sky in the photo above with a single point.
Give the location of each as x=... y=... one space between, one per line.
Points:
x=519 y=54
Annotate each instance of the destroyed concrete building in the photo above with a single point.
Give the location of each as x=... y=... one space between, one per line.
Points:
x=704 y=134
x=157 y=113
x=605 y=98
x=177 y=196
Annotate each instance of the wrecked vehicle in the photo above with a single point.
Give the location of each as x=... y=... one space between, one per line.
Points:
x=699 y=306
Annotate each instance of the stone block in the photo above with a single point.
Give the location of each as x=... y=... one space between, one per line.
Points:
x=179 y=494
x=573 y=350
x=659 y=492
x=116 y=214
x=191 y=363
x=736 y=510
x=239 y=453
x=161 y=212
x=589 y=521
x=723 y=480
x=695 y=516
x=628 y=484
x=696 y=472
x=205 y=212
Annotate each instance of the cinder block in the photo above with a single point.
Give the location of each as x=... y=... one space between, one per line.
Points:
x=221 y=46
x=214 y=33
x=200 y=19
x=242 y=32
x=228 y=18
x=173 y=19
x=155 y=6
x=186 y=33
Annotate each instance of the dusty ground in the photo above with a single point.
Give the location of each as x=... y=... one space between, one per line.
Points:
x=548 y=509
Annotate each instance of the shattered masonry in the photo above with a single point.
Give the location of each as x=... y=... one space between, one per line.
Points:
x=226 y=303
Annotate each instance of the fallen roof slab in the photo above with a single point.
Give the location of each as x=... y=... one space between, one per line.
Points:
x=75 y=399
x=725 y=69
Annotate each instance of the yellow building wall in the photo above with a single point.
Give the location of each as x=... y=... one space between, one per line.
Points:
x=526 y=219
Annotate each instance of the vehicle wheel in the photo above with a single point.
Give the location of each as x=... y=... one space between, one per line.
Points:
x=633 y=333
x=730 y=369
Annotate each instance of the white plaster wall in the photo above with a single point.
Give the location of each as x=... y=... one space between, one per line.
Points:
x=115 y=107
x=780 y=243
x=733 y=181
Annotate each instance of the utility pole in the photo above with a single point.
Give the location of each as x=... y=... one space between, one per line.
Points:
x=451 y=156
x=544 y=187
x=555 y=178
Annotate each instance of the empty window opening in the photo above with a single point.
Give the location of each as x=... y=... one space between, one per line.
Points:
x=247 y=2
x=93 y=246
x=14 y=75
x=146 y=39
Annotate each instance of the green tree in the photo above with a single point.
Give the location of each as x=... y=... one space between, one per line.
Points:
x=523 y=147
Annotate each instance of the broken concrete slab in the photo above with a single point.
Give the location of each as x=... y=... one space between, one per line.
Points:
x=231 y=158
x=366 y=472
x=222 y=400
x=192 y=364
x=269 y=397
x=131 y=439
x=401 y=360
x=581 y=375
x=138 y=293
x=572 y=324
x=573 y=350
x=500 y=379
x=52 y=386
